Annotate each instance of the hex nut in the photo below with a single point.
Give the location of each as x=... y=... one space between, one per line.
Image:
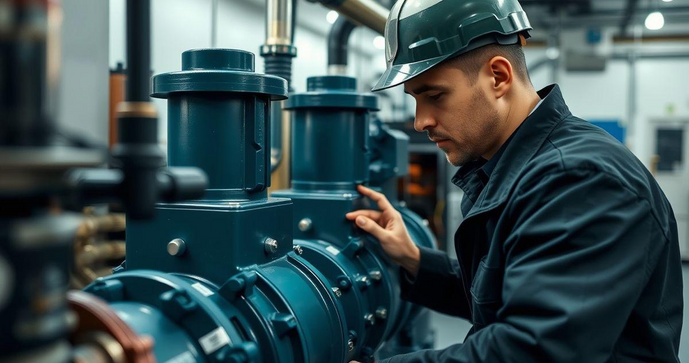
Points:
x=382 y=313
x=270 y=245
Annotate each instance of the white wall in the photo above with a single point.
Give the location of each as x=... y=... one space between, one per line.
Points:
x=605 y=95
x=661 y=94
x=83 y=92
x=179 y=25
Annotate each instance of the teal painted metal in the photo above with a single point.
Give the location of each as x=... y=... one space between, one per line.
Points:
x=330 y=134
x=218 y=70
x=216 y=104
x=331 y=155
x=227 y=134
x=390 y=161
x=243 y=290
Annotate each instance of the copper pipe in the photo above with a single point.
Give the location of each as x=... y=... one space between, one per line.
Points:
x=362 y=12
x=93 y=225
x=117 y=84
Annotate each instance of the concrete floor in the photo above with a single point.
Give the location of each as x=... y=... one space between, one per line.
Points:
x=450 y=330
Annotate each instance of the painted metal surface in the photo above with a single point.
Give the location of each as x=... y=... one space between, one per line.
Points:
x=243 y=289
x=337 y=146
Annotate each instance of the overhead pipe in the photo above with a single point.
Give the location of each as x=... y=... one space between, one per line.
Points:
x=362 y=12
x=277 y=53
x=338 y=46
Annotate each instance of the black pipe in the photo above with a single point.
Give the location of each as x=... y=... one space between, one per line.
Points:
x=24 y=116
x=338 y=41
x=137 y=152
x=138 y=50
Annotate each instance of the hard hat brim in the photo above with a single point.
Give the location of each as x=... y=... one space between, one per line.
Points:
x=398 y=74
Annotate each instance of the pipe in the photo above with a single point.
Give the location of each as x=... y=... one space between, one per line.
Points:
x=279 y=22
x=137 y=152
x=650 y=55
x=278 y=52
x=628 y=15
x=138 y=50
x=338 y=46
x=362 y=12
x=118 y=80
x=214 y=24
x=24 y=71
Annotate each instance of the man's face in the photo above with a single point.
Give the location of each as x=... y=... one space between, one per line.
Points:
x=458 y=116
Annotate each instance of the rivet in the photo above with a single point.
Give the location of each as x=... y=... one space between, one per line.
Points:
x=305 y=224
x=176 y=247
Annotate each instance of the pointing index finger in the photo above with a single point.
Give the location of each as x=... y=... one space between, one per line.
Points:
x=379 y=198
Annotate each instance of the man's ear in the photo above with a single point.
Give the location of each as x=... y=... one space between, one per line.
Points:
x=502 y=75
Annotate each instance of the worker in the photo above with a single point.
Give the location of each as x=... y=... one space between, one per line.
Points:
x=568 y=251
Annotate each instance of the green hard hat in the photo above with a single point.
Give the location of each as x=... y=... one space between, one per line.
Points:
x=419 y=34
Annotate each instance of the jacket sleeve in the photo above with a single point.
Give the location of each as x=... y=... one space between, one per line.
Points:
x=578 y=255
x=438 y=284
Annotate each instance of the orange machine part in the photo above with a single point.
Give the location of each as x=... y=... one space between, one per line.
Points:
x=95 y=315
x=117 y=90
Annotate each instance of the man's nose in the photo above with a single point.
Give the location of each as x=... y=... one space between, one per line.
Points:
x=423 y=121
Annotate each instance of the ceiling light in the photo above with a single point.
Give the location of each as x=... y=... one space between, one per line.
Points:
x=552 y=53
x=379 y=42
x=667 y=1
x=655 y=21
x=331 y=17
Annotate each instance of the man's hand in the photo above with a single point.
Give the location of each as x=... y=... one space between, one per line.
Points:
x=388 y=227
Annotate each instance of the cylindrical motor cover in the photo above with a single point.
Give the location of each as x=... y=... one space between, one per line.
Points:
x=216 y=94
x=331 y=106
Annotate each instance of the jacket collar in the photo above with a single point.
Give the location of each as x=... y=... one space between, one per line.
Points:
x=526 y=141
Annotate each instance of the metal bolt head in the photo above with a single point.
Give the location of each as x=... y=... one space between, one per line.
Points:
x=298 y=250
x=363 y=282
x=375 y=275
x=270 y=245
x=382 y=313
x=305 y=224
x=337 y=292
x=176 y=247
x=370 y=319
x=350 y=345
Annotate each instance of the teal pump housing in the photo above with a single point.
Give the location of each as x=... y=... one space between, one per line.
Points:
x=389 y=161
x=336 y=146
x=222 y=279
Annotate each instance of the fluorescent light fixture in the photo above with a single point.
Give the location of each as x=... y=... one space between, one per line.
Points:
x=667 y=1
x=331 y=17
x=655 y=21
x=379 y=42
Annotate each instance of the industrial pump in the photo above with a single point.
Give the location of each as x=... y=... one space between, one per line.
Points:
x=240 y=277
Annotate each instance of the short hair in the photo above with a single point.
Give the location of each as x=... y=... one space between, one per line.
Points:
x=472 y=62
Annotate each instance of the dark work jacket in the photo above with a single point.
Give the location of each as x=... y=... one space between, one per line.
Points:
x=568 y=253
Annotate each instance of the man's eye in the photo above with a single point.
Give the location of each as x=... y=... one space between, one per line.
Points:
x=435 y=97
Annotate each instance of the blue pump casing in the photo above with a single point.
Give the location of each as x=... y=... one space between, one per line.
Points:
x=337 y=146
x=236 y=286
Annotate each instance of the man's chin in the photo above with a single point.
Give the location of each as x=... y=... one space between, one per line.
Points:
x=457 y=160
